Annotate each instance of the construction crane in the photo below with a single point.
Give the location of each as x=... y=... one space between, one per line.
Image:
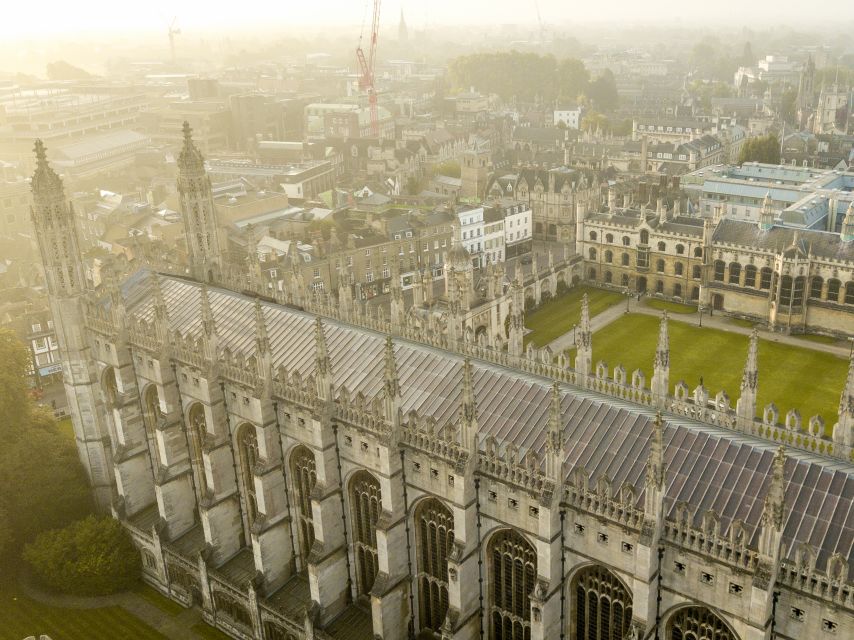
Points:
x=172 y=33
x=367 y=66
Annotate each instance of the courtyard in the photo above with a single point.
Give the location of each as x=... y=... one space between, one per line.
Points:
x=792 y=377
x=557 y=316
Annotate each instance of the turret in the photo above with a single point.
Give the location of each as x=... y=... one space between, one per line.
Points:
x=198 y=212
x=848 y=224
x=766 y=213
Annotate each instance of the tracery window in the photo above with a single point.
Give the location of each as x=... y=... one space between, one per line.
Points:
x=226 y=604
x=786 y=290
x=833 y=290
x=696 y=273
x=734 y=273
x=697 y=623
x=603 y=606
x=678 y=268
x=514 y=573
x=765 y=278
x=659 y=266
x=151 y=416
x=304 y=477
x=750 y=276
x=247 y=447
x=608 y=277
x=849 y=293
x=662 y=246
x=798 y=291
x=609 y=257
x=698 y=252
x=720 y=267
x=198 y=427
x=625 y=259
x=435 y=531
x=644 y=236
x=815 y=287
x=592 y=253
x=366 y=504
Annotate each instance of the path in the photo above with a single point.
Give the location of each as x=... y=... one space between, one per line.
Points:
x=174 y=627
x=721 y=322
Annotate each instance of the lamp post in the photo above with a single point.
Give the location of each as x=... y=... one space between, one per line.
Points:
x=628 y=297
x=851 y=350
x=701 y=308
x=573 y=335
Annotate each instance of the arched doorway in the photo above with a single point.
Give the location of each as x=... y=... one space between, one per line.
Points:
x=698 y=623
x=718 y=302
x=602 y=605
x=513 y=574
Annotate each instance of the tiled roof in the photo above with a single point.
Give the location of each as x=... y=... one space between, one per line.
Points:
x=820 y=243
x=707 y=467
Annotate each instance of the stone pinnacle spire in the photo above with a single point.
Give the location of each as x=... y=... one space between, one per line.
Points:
x=208 y=323
x=190 y=159
x=262 y=340
x=843 y=431
x=391 y=381
x=662 y=351
x=321 y=352
x=554 y=439
x=661 y=370
x=848 y=224
x=772 y=513
x=750 y=375
x=468 y=409
x=656 y=472
x=45 y=180
x=584 y=331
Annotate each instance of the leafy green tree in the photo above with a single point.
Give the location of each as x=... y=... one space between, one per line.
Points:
x=572 y=78
x=450 y=168
x=93 y=556
x=15 y=406
x=603 y=91
x=761 y=149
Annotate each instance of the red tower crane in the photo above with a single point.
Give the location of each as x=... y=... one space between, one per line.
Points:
x=366 y=68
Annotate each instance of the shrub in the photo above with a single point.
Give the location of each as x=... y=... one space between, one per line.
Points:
x=93 y=556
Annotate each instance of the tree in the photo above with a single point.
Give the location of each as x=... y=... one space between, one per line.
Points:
x=93 y=556
x=761 y=149
x=603 y=91
x=61 y=70
x=14 y=403
x=450 y=168
x=572 y=78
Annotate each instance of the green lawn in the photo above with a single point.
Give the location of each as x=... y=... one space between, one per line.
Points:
x=65 y=427
x=208 y=632
x=812 y=337
x=159 y=600
x=791 y=377
x=741 y=322
x=21 y=617
x=669 y=307
x=557 y=316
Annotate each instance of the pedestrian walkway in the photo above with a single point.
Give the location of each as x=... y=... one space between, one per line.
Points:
x=567 y=340
x=174 y=627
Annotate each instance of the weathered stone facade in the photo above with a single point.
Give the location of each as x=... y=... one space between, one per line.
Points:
x=284 y=468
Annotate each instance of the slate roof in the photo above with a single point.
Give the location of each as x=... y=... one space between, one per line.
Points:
x=707 y=467
x=820 y=243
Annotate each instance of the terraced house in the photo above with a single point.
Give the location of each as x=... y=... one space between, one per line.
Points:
x=300 y=472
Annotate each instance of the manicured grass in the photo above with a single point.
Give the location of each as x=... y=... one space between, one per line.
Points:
x=159 y=600
x=791 y=377
x=669 y=307
x=208 y=632
x=66 y=427
x=557 y=316
x=21 y=617
x=811 y=337
x=741 y=322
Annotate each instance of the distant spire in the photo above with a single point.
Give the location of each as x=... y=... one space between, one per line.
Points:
x=848 y=224
x=45 y=180
x=190 y=159
x=766 y=213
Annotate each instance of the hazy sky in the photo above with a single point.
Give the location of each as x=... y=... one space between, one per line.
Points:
x=29 y=18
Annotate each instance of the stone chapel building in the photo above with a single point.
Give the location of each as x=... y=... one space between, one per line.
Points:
x=299 y=471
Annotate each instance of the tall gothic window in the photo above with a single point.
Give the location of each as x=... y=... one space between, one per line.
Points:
x=366 y=504
x=304 y=476
x=111 y=389
x=435 y=530
x=151 y=416
x=514 y=573
x=697 y=623
x=197 y=428
x=603 y=606
x=247 y=449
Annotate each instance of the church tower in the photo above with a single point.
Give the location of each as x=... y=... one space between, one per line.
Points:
x=56 y=232
x=198 y=212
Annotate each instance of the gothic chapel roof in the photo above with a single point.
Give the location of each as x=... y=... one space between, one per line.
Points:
x=706 y=467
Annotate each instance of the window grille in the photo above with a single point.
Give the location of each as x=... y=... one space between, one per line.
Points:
x=435 y=530
x=603 y=606
x=304 y=477
x=366 y=503
x=697 y=622
x=514 y=573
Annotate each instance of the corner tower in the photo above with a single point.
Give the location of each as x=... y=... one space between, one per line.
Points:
x=198 y=212
x=56 y=233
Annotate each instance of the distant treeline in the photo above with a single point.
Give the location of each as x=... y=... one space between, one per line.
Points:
x=528 y=76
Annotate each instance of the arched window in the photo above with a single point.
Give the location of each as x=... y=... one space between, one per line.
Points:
x=833 y=290
x=514 y=572
x=786 y=290
x=798 y=291
x=151 y=416
x=696 y=272
x=609 y=237
x=815 y=287
x=625 y=259
x=111 y=389
x=750 y=276
x=680 y=249
x=720 y=267
x=678 y=268
x=734 y=273
x=659 y=266
x=698 y=252
x=644 y=236
x=659 y=286
x=593 y=235
x=697 y=623
x=849 y=293
x=366 y=505
x=592 y=253
x=765 y=278
x=624 y=280
x=626 y=241
x=197 y=427
x=230 y=607
x=603 y=606
x=677 y=290
x=247 y=449
x=662 y=246
x=591 y=274
x=608 y=277
x=434 y=525
x=304 y=476
x=609 y=256
x=695 y=293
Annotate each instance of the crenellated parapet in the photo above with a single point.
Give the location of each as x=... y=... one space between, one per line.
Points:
x=524 y=472
x=601 y=501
